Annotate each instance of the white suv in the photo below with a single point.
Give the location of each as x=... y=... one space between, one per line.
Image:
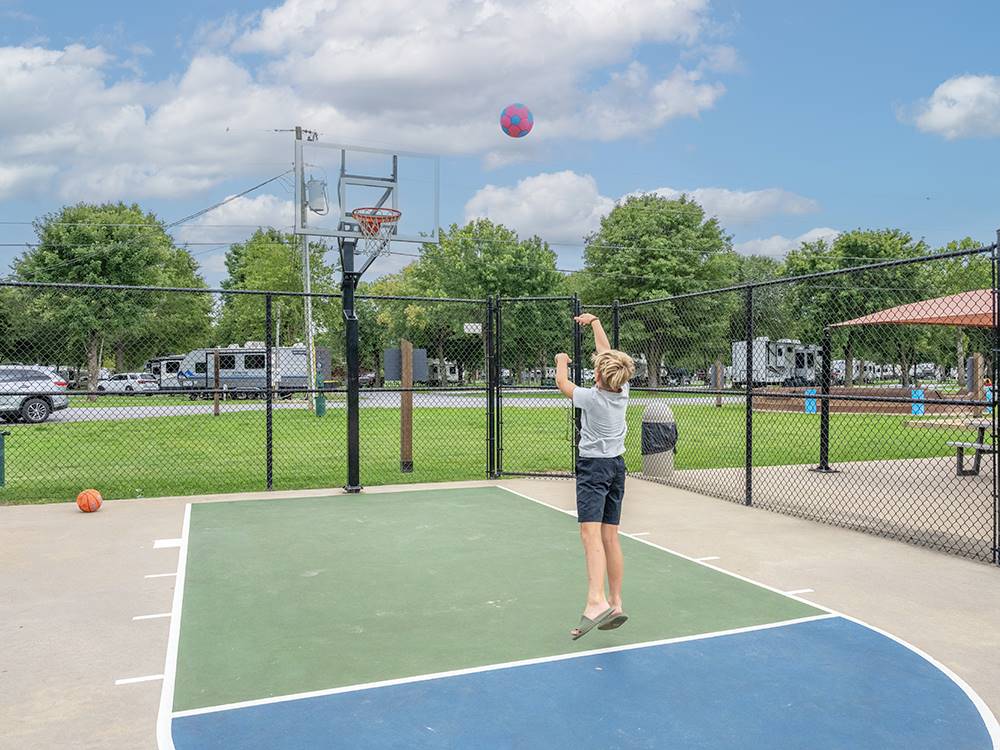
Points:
x=128 y=382
x=19 y=383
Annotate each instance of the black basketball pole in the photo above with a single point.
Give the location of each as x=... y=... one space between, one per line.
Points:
x=490 y=393
x=348 y=285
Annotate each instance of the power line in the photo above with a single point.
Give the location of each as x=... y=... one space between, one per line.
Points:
x=231 y=198
x=69 y=262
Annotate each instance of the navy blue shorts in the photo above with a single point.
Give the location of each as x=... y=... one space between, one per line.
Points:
x=600 y=487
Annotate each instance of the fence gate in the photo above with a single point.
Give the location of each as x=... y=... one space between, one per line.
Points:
x=535 y=425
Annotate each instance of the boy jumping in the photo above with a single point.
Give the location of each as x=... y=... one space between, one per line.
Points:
x=600 y=475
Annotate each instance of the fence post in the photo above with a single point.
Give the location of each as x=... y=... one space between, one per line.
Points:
x=748 y=487
x=268 y=392
x=825 y=378
x=498 y=381
x=3 y=435
x=490 y=395
x=577 y=376
x=215 y=383
x=615 y=325
x=995 y=412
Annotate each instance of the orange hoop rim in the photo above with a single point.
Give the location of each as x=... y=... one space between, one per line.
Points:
x=371 y=219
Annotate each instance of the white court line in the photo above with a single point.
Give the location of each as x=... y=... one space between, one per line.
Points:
x=167 y=543
x=164 y=737
x=794 y=592
x=706 y=559
x=159 y=575
x=151 y=617
x=133 y=680
x=992 y=725
x=638 y=533
x=494 y=667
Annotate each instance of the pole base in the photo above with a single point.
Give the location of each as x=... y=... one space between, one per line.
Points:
x=406 y=467
x=352 y=489
x=826 y=470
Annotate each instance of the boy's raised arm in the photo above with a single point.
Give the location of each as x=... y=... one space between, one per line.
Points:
x=601 y=342
x=562 y=375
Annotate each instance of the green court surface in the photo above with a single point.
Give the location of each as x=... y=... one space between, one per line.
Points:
x=284 y=596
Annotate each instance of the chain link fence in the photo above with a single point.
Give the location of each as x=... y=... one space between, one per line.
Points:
x=860 y=397
x=144 y=392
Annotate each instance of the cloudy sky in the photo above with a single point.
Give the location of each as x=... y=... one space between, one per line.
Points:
x=788 y=120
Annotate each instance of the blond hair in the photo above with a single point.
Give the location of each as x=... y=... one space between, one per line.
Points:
x=614 y=367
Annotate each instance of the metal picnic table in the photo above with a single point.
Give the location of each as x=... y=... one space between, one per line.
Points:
x=980 y=446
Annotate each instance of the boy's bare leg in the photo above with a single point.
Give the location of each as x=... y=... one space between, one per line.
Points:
x=615 y=562
x=593 y=548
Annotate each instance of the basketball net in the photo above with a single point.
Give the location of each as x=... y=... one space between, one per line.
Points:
x=376 y=225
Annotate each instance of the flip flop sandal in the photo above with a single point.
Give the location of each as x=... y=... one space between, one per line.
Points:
x=614 y=623
x=586 y=624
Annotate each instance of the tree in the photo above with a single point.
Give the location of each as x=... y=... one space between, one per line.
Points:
x=649 y=248
x=272 y=260
x=103 y=244
x=952 y=276
x=832 y=299
x=481 y=259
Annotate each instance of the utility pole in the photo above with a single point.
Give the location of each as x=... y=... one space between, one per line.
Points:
x=307 y=300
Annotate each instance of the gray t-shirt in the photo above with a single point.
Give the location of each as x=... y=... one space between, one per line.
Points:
x=602 y=423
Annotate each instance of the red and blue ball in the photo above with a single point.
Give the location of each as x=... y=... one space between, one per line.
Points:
x=516 y=120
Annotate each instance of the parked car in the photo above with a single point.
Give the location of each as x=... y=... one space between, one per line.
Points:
x=18 y=383
x=128 y=382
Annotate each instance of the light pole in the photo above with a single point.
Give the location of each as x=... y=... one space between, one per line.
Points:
x=307 y=288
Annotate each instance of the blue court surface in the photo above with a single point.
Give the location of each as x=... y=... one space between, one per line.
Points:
x=819 y=680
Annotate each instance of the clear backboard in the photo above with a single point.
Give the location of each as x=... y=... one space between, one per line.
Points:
x=332 y=179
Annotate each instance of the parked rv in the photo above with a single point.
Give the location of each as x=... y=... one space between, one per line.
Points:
x=165 y=371
x=434 y=370
x=243 y=369
x=783 y=362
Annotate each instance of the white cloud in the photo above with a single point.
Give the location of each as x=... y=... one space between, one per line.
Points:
x=722 y=58
x=962 y=107
x=214 y=265
x=558 y=206
x=566 y=206
x=435 y=83
x=238 y=219
x=742 y=207
x=16 y=180
x=777 y=246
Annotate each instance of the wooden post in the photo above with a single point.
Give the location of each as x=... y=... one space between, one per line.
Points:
x=215 y=394
x=406 y=407
x=718 y=380
x=976 y=386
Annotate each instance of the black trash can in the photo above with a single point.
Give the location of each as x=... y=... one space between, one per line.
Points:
x=659 y=440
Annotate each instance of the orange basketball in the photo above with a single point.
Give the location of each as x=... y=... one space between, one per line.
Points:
x=88 y=501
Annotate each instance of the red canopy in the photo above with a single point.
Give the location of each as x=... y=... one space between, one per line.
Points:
x=966 y=309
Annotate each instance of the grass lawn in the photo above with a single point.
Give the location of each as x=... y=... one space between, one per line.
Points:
x=195 y=454
x=100 y=402
x=103 y=402
x=507 y=394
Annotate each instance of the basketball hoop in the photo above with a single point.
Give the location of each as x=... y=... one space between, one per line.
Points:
x=376 y=225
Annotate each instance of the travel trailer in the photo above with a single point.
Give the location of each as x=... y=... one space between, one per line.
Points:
x=242 y=369
x=782 y=362
x=165 y=370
